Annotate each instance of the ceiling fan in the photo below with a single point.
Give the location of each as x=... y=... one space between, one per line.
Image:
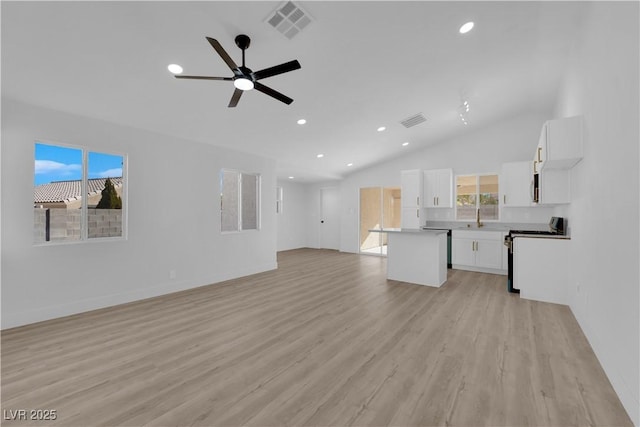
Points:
x=245 y=79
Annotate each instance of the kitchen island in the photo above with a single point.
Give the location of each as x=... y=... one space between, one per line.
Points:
x=416 y=256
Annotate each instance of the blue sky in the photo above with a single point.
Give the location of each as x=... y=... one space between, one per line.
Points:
x=55 y=163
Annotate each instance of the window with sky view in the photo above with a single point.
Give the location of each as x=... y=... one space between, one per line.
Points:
x=60 y=213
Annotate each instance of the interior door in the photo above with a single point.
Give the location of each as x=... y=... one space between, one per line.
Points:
x=329 y=218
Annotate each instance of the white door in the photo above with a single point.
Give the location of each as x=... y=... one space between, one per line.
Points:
x=329 y=218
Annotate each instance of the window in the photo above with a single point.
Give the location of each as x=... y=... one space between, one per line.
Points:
x=62 y=175
x=279 y=194
x=239 y=200
x=475 y=192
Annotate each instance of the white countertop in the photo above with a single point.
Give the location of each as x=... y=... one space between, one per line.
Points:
x=406 y=230
x=543 y=236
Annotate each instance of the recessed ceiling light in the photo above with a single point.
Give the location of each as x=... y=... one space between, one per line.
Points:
x=381 y=128
x=174 y=68
x=290 y=177
x=302 y=121
x=466 y=27
x=320 y=156
x=349 y=164
x=404 y=144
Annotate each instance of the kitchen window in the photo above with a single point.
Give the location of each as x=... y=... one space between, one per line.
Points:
x=477 y=192
x=239 y=201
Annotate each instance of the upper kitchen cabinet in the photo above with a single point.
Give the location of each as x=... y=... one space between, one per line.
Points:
x=553 y=187
x=411 y=195
x=560 y=144
x=438 y=188
x=411 y=182
x=516 y=184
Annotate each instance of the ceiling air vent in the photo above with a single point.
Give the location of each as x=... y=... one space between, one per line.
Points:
x=416 y=119
x=289 y=19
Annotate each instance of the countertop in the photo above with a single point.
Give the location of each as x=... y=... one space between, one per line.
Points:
x=486 y=226
x=543 y=236
x=407 y=230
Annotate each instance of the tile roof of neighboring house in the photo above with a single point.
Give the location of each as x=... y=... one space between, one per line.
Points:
x=64 y=191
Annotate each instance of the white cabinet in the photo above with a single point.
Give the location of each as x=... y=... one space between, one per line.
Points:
x=554 y=187
x=516 y=184
x=438 y=188
x=411 y=218
x=477 y=250
x=560 y=144
x=411 y=182
x=540 y=268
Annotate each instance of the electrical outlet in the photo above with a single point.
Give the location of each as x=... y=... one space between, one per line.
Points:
x=172 y=274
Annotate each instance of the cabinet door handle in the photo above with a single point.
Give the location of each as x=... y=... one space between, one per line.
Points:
x=418 y=200
x=539 y=154
x=438 y=200
x=417 y=213
x=535 y=162
x=473 y=245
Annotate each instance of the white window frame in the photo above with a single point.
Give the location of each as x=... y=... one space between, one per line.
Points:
x=477 y=175
x=240 y=173
x=84 y=216
x=279 y=199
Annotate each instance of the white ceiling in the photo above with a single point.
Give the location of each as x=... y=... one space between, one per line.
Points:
x=364 y=65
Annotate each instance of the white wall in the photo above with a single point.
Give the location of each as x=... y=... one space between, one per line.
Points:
x=173 y=221
x=292 y=222
x=479 y=151
x=604 y=281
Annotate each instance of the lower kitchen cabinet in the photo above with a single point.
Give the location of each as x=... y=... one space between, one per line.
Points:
x=478 y=250
x=540 y=268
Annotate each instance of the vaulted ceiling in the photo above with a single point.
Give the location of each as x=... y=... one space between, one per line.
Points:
x=364 y=65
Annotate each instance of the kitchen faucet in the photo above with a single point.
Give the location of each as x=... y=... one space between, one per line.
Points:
x=478 y=223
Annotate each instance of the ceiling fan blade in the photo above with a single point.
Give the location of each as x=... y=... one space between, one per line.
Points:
x=278 y=69
x=223 y=53
x=235 y=98
x=273 y=93
x=204 y=78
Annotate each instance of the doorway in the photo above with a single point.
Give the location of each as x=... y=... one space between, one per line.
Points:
x=380 y=207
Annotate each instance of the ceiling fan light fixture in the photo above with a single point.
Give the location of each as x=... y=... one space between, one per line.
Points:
x=466 y=27
x=174 y=69
x=243 y=83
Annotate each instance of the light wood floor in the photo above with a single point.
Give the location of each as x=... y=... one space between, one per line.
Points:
x=323 y=340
